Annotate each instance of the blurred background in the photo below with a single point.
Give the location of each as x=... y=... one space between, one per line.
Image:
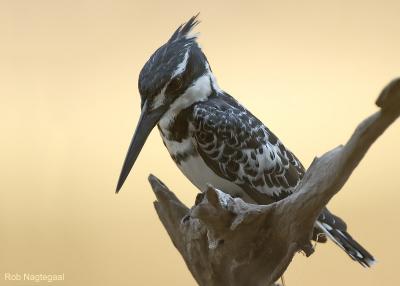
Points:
x=310 y=70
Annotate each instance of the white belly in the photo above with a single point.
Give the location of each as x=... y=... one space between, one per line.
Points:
x=196 y=170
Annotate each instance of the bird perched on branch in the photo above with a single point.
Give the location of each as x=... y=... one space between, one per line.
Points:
x=214 y=140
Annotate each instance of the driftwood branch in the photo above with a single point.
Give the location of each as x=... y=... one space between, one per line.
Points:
x=225 y=241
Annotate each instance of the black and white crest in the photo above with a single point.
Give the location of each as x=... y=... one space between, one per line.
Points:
x=168 y=60
x=183 y=31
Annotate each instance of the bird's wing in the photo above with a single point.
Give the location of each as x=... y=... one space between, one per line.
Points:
x=238 y=147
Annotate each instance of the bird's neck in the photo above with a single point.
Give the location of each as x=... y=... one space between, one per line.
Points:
x=201 y=90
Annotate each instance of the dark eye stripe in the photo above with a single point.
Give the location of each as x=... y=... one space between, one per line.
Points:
x=175 y=85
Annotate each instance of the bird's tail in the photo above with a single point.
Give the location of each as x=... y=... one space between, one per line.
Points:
x=335 y=229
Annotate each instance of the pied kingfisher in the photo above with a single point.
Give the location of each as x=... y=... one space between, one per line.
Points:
x=214 y=139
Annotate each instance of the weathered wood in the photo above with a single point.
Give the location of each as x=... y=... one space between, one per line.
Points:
x=225 y=241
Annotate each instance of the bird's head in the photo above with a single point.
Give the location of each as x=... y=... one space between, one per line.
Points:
x=175 y=71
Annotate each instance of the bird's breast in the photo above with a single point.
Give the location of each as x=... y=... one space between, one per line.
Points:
x=180 y=150
x=192 y=165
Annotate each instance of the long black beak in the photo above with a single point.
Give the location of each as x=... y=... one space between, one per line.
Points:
x=148 y=119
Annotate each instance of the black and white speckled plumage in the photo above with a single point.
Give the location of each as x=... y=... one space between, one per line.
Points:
x=240 y=148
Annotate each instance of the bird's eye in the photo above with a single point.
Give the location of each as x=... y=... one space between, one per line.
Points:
x=175 y=84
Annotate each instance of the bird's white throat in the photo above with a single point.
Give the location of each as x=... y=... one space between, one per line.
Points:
x=200 y=90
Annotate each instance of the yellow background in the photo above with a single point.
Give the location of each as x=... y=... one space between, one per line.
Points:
x=310 y=70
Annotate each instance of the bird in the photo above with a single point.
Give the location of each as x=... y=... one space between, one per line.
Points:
x=214 y=140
